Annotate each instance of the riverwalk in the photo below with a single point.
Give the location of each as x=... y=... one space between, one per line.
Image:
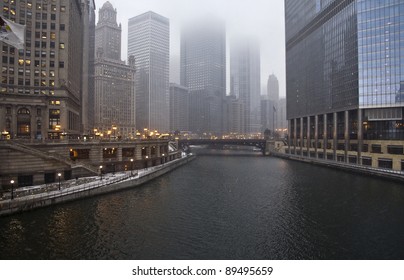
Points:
x=29 y=198
x=356 y=168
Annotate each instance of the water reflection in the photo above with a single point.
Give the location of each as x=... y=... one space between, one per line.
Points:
x=221 y=208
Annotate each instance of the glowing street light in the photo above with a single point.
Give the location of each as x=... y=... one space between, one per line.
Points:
x=59 y=175
x=101 y=171
x=131 y=167
x=12 y=189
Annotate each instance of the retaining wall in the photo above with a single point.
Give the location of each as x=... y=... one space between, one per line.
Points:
x=47 y=199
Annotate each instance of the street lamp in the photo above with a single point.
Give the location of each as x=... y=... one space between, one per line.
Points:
x=101 y=171
x=131 y=167
x=12 y=189
x=59 y=175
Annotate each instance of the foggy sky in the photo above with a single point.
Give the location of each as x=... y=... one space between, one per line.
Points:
x=262 y=18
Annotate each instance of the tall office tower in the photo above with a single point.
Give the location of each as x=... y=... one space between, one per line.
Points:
x=203 y=72
x=273 y=114
x=268 y=114
x=41 y=84
x=344 y=70
x=149 y=42
x=87 y=115
x=114 y=96
x=245 y=79
x=233 y=115
x=179 y=108
x=273 y=88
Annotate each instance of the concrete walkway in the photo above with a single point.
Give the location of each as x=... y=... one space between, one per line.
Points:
x=38 y=196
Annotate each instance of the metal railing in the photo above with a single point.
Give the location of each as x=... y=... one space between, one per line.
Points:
x=345 y=165
x=30 y=195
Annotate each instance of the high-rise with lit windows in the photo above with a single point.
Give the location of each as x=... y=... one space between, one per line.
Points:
x=114 y=81
x=42 y=84
x=345 y=76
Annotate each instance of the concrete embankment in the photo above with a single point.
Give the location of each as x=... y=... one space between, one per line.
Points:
x=382 y=173
x=99 y=187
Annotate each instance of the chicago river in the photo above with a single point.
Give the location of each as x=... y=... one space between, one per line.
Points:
x=222 y=207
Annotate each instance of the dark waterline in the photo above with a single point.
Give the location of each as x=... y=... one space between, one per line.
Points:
x=243 y=207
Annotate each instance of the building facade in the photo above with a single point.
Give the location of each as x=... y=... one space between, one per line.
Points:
x=274 y=108
x=233 y=116
x=149 y=43
x=245 y=77
x=179 y=108
x=273 y=88
x=203 y=72
x=114 y=90
x=268 y=114
x=42 y=84
x=344 y=80
x=87 y=115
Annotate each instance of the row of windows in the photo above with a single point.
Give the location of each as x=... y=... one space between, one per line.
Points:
x=37 y=63
x=27 y=82
x=26 y=91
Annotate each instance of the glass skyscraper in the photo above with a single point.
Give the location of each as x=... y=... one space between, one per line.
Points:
x=149 y=43
x=203 y=72
x=345 y=73
x=245 y=79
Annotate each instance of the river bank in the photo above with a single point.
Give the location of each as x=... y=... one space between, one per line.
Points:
x=376 y=172
x=94 y=186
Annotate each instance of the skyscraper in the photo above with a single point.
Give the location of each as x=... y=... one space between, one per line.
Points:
x=114 y=94
x=88 y=68
x=179 y=108
x=42 y=84
x=203 y=72
x=273 y=88
x=245 y=77
x=271 y=112
x=149 y=43
x=344 y=71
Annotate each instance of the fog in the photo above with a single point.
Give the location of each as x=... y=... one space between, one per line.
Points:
x=261 y=18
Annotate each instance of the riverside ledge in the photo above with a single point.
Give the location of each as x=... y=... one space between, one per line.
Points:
x=73 y=191
x=355 y=168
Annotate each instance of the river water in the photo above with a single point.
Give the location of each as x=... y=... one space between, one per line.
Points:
x=222 y=207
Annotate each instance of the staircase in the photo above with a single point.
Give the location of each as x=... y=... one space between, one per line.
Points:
x=50 y=156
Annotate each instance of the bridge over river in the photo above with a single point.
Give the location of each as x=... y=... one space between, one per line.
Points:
x=262 y=144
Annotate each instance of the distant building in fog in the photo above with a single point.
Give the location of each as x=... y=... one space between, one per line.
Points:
x=179 y=108
x=203 y=72
x=273 y=88
x=149 y=43
x=114 y=96
x=245 y=79
x=273 y=114
x=233 y=115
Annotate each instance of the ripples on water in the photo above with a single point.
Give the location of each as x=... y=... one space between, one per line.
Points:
x=248 y=207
